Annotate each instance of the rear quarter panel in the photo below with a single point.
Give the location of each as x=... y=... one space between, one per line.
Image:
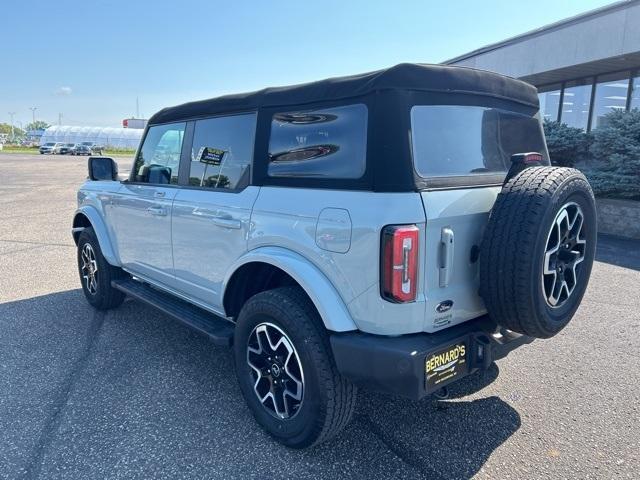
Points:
x=288 y=218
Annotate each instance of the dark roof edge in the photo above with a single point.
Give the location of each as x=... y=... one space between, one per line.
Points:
x=547 y=28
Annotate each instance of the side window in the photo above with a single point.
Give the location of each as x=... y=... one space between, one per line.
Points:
x=324 y=143
x=159 y=158
x=222 y=151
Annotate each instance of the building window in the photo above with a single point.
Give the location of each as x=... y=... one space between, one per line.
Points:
x=575 y=103
x=635 y=92
x=611 y=94
x=549 y=97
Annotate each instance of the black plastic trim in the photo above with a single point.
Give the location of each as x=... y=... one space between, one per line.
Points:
x=218 y=329
x=397 y=364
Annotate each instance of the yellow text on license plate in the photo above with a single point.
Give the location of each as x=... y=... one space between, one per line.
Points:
x=446 y=363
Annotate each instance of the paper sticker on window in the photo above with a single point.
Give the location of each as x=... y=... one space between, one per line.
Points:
x=211 y=156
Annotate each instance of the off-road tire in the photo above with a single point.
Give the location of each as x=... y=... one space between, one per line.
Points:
x=328 y=398
x=515 y=241
x=105 y=297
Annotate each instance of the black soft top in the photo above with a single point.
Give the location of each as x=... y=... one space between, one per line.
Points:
x=437 y=79
x=389 y=96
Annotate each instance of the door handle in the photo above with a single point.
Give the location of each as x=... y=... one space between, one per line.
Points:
x=218 y=218
x=158 y=211
x=226 y=222
x=446 y=256
x=159 y=194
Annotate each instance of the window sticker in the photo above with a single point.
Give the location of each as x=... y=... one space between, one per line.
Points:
x=211 y=156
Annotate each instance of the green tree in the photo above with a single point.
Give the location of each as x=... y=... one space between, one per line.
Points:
x=567 y=145
x=616 y=150
x=37 y=125
x=5 y=128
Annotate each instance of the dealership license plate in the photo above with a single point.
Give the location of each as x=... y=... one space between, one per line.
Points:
x=446 y=364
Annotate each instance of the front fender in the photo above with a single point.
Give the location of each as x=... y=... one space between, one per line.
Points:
x=322 y=293
x=100 y=229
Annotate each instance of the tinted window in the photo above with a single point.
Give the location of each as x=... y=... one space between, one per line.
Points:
x=549 y=97
x=635 y=92
x=575 y=103
x=463 y=140
x=611 y=94
x=325 y=143
x=159 y=158
x=222 y=151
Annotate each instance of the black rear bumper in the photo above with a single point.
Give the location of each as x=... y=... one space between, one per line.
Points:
x=398 y=364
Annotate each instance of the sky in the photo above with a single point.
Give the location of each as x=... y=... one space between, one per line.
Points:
x=90 y=59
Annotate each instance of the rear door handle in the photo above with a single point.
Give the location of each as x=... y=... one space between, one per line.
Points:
x=158 y=211
x=218 y=218
x=446 y=256
x=226 y=222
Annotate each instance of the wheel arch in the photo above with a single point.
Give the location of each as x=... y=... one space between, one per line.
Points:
x=268 y=267
x=89 y=217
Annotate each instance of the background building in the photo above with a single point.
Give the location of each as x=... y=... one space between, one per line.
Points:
x=584 y=66
x=106 y=136
x=134 y=122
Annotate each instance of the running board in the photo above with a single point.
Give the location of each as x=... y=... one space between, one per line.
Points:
x=219 y=330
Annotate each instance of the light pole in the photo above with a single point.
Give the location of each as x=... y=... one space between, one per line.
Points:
x=33 y=114
x=13 y=136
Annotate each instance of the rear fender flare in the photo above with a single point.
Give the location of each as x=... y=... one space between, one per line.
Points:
x=317 y=286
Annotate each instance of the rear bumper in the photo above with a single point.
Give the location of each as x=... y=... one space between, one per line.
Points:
x=397 y=365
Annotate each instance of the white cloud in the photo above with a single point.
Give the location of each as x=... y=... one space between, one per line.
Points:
x=64 y=91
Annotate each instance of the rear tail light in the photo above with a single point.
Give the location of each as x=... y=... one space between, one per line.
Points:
x=399 y=265
x=529 y=158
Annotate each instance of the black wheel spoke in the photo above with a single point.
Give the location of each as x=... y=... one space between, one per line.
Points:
x=564 y=252
x=278 y=379
x=89 y=268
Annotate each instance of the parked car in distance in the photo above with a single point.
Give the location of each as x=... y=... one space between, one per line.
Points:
x=82 y=150
x=50 y=148
x=67 y=149
x=94 y=148
x=397 y=230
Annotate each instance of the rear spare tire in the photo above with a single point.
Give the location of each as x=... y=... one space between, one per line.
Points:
x=537 y=251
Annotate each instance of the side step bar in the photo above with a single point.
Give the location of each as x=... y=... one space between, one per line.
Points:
x=219 y=330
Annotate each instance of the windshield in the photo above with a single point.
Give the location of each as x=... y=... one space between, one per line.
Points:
x=49 y=144
x=87 y=143
x=456 y=140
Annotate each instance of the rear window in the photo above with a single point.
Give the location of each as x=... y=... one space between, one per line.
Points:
x=454 y=140
x=322 y=143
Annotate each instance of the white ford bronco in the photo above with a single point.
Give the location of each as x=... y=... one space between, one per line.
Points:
x=396 y=230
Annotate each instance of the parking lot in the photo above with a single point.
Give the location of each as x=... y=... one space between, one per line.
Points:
x=133 y=394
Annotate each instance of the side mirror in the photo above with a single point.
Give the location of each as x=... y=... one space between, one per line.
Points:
x=103 y=168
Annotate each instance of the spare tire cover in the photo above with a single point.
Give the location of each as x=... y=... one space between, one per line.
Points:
x=537 y=250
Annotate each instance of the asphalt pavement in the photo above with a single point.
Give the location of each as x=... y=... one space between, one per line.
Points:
x=132 y=394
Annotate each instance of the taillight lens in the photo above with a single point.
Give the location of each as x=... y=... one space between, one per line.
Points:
x=399 y=269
